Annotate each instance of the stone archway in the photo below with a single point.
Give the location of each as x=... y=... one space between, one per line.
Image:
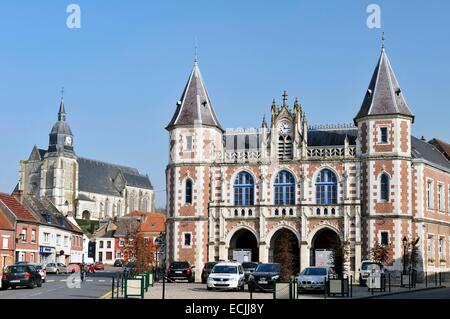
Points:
x=244 y=239
x=322 y=244
x=276 y=242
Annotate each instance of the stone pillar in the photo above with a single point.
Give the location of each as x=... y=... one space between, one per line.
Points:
x=263 y=253
x=304 y=255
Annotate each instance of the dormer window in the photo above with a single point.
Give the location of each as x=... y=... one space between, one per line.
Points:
x=383 y=135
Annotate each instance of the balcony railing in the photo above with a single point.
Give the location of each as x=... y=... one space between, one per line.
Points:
x=331 y=151
x=238 y=156
x=243 y=212
x=323 y=211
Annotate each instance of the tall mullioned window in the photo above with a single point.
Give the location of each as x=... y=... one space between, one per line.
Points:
x=244 y=188
x=326 y=188
x=384 y=187
x=430 y=195
x=284 y=189
x=285 y=148
x=188 y=192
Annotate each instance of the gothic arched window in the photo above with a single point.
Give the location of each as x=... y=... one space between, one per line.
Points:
x=284 y=189
x=384 y=187
x=326 y=188
x=188 y=192
x=244 y=187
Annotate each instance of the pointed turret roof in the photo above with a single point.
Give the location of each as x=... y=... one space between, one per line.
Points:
x=384 y=96
x=195 y=106
x=62 y=111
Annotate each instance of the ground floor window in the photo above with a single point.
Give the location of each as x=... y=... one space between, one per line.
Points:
x=109 y=255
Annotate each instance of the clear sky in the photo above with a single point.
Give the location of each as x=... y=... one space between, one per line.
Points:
x=124 y=70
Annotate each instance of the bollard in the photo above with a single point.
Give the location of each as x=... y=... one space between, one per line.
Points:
x=435 y=279
x=389 y=282
x=112 y=288
x=351 y=286
x=426 y=279
x=440 y=279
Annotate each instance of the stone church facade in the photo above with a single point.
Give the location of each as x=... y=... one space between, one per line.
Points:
x=87 y=189
x=360 y=184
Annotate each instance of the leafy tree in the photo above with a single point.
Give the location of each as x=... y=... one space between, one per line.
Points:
x=285 y=256
x=339 y=257
x=380 y=253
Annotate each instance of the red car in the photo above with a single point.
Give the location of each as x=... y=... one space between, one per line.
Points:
x=73 y=267
x=99 y=266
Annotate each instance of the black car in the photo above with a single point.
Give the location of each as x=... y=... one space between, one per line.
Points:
x=207 y=270
x=180 y=270
x=264 y=277
x=118 y=263
x=21 y=275
x=249 y=268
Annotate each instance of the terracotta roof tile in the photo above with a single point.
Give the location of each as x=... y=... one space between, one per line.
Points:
x=5 y=224
x=17 y=209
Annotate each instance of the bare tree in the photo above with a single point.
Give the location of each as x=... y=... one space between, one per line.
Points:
x=340 y=258
x=380 y=253
x=285 y=256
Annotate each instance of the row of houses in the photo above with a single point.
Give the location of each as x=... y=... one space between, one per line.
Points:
x=113 y=240
x=32 y=229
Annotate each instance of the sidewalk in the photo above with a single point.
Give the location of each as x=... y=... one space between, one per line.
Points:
x=198 y=291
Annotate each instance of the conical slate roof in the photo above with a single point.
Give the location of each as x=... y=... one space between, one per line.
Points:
x=384 y=96
x=195 y=106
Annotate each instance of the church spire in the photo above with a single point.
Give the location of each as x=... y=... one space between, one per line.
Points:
x=384 y=96
x=62 y=111
x=195 y=107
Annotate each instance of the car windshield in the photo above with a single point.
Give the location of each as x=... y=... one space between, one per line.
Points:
x=50 y=265
x=268 y=268
x=315 y=272
x=38 y=267
x=222 y=269
x=209 y=265
x=18 y=269
x=249 y=265
x=180 y=265
x=370 y=266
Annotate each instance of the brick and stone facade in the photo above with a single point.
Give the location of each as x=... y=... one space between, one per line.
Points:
x=357 y=184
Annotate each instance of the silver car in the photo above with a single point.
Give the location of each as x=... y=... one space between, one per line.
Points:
x=313 y=278
x=56 y=268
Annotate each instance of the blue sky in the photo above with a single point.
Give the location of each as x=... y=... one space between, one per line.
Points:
x=124 y=70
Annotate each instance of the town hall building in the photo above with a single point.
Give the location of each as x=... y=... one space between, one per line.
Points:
x=364 y=183
x=85 y=188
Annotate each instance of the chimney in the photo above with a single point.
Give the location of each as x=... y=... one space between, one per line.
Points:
x=423 y=138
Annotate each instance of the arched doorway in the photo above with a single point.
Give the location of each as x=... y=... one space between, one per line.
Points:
x=284 y=247
x=322 y=245
x=244 y=239
x=86 y=215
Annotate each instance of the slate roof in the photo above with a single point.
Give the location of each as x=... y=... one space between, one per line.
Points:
x=423 y=150
x=195 y=106
x=332 y=137
x=384 y=95
x=443 y=147
x=21 y=213
x=43 y=209
x=97 y=177
x=125 y=226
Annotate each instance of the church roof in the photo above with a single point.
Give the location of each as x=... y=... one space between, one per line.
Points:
x=332 y=137
x=442 y=146
x=97 y=177
x=384 y=96
x=195 y=106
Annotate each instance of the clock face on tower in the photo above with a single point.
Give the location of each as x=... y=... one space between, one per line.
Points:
x=285 y=128
x=68 y=140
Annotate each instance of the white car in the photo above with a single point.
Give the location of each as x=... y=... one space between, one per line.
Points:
x=226 y=275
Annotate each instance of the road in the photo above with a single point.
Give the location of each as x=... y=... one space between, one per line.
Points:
x=439 y=293
x=65 y=287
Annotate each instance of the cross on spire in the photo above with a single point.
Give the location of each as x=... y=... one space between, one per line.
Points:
x=285 y=95
x=62 y=93
x=382 y=41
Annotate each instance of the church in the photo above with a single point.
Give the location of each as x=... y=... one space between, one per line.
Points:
x=366 y=183
x=84 y=188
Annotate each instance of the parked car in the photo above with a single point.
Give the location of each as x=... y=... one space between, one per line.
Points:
x=207 y=270
x=42 y=271
x=74 y=267
x=313 y=278
x=89 y=268
x=180 y=270
x=367 y=266
x=21 y=275
x=56 y=268
x=249 y=268
x=227 y=275
x=99 y=266
x=264 y=277
x=118 y=263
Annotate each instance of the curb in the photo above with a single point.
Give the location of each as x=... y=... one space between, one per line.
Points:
x=400 y=292
x=106 y=295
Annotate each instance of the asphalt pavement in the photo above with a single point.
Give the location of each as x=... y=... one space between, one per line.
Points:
x=66 y=287
x=438 y=293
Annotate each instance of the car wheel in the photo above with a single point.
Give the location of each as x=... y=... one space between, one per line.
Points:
x=4 y=287
x=31 y=285
x=39 y=284
x=43 y=280
x=208 y=288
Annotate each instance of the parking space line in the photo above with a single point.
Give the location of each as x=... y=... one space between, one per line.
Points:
x=101 y=280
